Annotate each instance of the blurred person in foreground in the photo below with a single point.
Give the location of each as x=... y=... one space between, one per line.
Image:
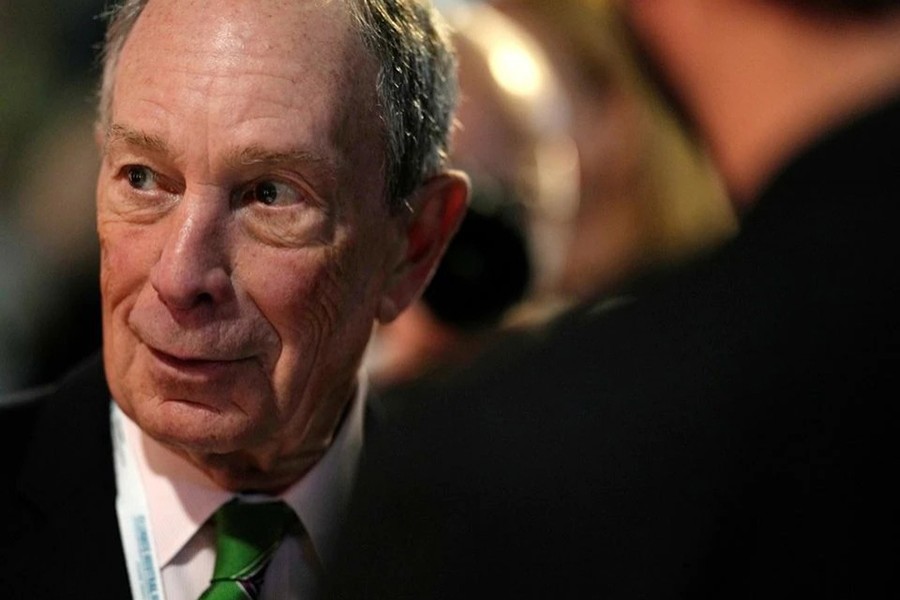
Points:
x=730 y=433
x=272 y=183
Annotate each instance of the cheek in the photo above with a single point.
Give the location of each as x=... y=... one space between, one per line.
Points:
x=314 y=304
x=127 y=254
x=125 y=262
x=293 y=301
x=298 y=296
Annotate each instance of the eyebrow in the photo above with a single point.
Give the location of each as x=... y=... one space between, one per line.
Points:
x=120 y=133
x=257 y=155
x=252 y=155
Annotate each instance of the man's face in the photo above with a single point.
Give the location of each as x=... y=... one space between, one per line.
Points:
x=245 y=241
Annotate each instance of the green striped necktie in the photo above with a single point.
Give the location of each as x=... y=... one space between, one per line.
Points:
x=247 y=535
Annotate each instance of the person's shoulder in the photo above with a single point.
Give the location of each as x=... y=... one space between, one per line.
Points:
x=19 y=412
x=520 y=371
x=22 y=411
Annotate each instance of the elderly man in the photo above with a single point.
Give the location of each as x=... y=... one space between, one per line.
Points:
x=272 y=184
x=732 y=432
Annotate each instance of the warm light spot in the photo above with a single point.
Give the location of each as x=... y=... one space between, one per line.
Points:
x=515 y=70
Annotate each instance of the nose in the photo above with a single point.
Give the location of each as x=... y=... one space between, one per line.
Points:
x=193 y=268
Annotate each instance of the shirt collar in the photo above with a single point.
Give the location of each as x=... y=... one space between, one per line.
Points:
x=180 y=497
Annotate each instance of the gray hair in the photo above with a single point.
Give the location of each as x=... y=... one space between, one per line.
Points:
x=416 y=86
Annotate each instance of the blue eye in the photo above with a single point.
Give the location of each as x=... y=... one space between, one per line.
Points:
x=140 y=177
x=272 y=193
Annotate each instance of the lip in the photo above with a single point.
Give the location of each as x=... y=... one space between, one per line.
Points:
x=205 y=368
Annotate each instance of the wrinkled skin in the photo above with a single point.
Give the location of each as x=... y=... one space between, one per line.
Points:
x=246 y=245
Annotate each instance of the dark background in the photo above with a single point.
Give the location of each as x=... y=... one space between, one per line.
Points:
x=49 y=300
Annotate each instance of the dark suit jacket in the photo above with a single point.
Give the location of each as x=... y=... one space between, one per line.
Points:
x=730 y=433
x=59 y=536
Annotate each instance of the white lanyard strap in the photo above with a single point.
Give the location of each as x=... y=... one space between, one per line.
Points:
x=134 y=524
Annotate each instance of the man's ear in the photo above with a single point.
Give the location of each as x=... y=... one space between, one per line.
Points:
x=438 y=207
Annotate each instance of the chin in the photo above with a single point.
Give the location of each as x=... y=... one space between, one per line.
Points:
x=196 y=427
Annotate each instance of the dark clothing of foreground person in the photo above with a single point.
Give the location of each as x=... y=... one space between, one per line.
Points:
x=731 y=433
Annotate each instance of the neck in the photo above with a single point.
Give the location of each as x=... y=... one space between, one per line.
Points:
x=761 y=80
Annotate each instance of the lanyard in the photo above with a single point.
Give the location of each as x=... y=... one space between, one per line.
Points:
x=134 y=523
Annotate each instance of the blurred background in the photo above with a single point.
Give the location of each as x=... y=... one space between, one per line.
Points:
x=49 y=302
x=582 y=183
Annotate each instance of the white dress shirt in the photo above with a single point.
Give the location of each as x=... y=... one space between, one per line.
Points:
x=180 y=499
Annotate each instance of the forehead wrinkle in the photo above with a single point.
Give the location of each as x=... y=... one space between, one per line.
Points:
x=336 y=59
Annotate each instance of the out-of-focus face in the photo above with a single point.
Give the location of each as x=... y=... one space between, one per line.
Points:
x=245 y=241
